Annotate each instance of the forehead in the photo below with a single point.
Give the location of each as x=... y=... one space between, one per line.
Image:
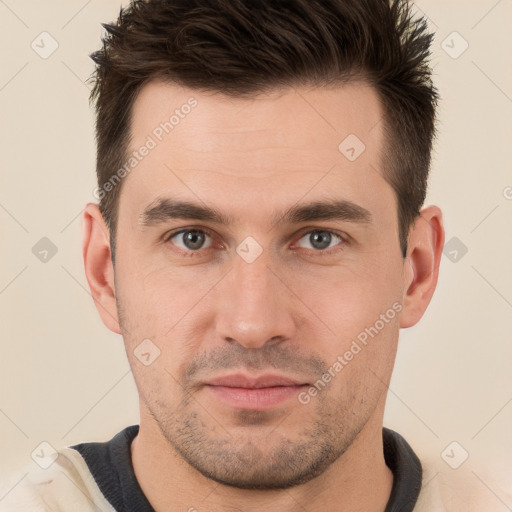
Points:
x=304 y=114
x=290 y=142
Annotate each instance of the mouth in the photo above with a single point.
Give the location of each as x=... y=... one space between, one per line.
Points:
x=256 y=393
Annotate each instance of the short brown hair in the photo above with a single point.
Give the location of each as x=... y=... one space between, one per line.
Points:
x=245 y=47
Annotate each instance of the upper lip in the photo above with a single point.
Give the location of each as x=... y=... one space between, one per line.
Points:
x=262 y=381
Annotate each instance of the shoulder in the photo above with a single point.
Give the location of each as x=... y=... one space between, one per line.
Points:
x=466 y=488
x=66 y=484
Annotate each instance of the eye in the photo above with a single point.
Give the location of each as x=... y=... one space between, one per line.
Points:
x=190 y=239
x=321 y=239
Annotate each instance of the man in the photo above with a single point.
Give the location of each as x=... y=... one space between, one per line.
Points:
x=259 y=242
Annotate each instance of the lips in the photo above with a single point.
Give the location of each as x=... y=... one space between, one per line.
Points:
x=262 y=381
x=255 y=393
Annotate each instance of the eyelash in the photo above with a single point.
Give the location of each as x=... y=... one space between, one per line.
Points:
x=319 y=252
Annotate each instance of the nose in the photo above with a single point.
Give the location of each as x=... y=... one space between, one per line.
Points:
x=255 y=305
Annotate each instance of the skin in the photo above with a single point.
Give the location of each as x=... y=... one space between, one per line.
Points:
x=292 y=311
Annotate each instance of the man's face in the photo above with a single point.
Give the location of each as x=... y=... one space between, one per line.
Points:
x=215 y=306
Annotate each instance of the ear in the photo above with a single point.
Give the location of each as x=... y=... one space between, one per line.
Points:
x=98 y=265
x=424 y=251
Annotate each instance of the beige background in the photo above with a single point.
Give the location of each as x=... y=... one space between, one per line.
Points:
x=64 y=378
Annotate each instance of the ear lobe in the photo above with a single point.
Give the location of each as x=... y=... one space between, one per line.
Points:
x=425 y=246
x=98 y=266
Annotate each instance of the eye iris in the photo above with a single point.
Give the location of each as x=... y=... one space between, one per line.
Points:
x=316 y=235
x=193 y=239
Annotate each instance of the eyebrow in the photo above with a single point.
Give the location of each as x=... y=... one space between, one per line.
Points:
x=164 y=209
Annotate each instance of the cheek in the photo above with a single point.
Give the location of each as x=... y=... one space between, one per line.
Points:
x=164 y=307
x=358 y=316
x=348 y=299
x=154 y=298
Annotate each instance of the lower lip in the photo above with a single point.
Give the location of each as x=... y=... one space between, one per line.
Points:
x=257 y=399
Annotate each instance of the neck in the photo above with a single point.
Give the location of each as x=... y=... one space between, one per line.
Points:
x=358 y=481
